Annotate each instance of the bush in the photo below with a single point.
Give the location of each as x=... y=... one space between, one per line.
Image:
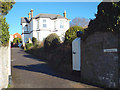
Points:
x=34 y=40
x=70 y=34
x=4 y=32
x=17 y=40
x=52 y=41
x=28 y=45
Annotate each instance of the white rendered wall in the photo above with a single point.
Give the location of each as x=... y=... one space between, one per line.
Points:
x=53 y=26
x=11 y=38
x=25 y=37
x=5 y=66
x=44 y=34
x=24 y=27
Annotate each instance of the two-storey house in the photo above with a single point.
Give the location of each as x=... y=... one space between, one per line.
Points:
x=41 y=25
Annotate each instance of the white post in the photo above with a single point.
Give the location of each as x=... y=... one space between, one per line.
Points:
x=9 y=63
x=9 y=58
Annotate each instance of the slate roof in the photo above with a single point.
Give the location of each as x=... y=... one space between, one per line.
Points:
x=51 y=16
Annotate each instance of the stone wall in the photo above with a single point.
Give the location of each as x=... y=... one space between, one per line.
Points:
x=99 y=67
x=5 y=66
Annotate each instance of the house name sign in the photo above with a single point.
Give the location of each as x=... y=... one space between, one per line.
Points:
x=111 y=50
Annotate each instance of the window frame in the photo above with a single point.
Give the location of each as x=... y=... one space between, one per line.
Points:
x=44 y=23
x=61 y=24
x=37 y=23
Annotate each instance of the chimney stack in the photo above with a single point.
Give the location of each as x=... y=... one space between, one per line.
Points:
x=64 y=14
x=31 y=13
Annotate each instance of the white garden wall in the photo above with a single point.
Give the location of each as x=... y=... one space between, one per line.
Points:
x=5 y=66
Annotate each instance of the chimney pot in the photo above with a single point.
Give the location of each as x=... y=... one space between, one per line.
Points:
x=31 y=13
x=64 y=13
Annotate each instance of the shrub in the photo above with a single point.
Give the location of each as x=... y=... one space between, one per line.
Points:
x=70 y=34
x=4 y=32
x=17 y=40
x=52 y=41
x=28 y=45
x=34 y=40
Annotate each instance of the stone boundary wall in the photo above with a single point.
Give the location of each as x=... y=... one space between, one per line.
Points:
x=98 y=67
x=5 y=66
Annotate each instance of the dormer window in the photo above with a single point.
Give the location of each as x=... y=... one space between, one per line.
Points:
x=44 y=23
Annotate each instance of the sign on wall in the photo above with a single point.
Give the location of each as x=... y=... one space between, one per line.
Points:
x=111 y=50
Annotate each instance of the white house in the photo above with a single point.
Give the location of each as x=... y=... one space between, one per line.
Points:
x=41 y=25
x=11 y=38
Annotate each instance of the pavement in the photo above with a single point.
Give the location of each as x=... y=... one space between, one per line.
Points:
x=30 y=72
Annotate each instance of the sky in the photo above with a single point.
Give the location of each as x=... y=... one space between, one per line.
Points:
x=73 y=9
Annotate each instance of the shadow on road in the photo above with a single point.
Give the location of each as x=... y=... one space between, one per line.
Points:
x=32 y=57
x=45 y=68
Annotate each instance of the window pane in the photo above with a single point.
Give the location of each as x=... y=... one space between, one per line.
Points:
x=44 y=25
x=37 y=24
x=44 y=21
x=37 y=35
x=61 y=26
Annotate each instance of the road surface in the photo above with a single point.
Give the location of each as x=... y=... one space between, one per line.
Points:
x=29 y=72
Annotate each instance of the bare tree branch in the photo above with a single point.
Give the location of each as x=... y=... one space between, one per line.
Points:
x=83 y=22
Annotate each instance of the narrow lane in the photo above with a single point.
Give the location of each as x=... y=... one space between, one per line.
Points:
x=29 y=72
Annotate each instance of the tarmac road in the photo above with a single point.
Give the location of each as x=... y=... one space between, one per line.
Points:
x=29 y=72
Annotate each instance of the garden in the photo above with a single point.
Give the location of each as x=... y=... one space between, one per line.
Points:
x=55 y=52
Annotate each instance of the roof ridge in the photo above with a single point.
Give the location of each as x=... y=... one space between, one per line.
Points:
x=47 y=14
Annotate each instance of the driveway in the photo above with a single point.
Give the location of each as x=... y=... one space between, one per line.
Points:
x=29 y=72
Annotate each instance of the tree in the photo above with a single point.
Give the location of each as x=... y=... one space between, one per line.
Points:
x=5 y=7
x=4 y=33
x=17 y=40
x=70 y=34
x=107 y=18
x=4 y=37
x=79 y=22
